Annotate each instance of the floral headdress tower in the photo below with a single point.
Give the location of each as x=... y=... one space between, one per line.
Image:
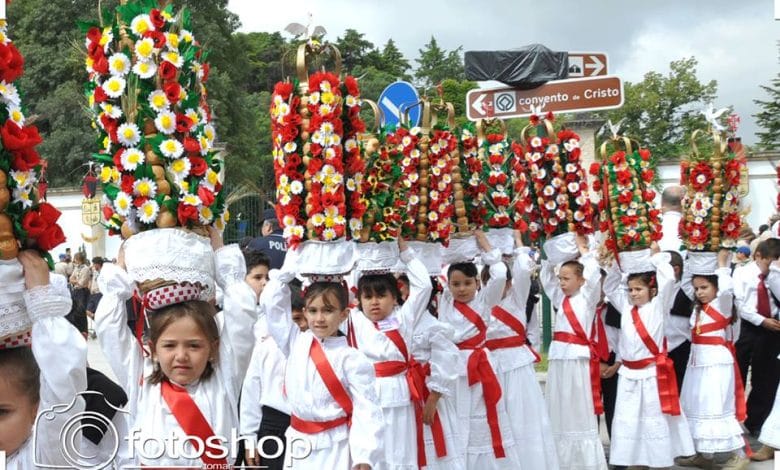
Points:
x=629 y=216
x=161 y=175
x=318 y=163
x=712 y=217
x=26 y=220
x=559 y=184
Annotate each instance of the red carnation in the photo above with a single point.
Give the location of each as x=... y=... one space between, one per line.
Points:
x=158 y=38
x=157 y=19
x=11 y=62
x=183 y=123
x=625 y=197
x=198 y=166
x=167 y=71
x=186 y=213
x=127 y=183
x=33 y=224
x=108 y=212
x=94 y=34
x=100 y=64
x=15 y=137
x=206 y=195
x=648 y=175
x=25 y=159
x=352 y=85
x=52 y=237
x=283 y=89
x=595 y=169
x=191 y=145
x=172 y=91
x=206 y=70
x=100 y=95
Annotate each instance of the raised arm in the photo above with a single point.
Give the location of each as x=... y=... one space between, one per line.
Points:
x=522 y=266
x=120 y=347
x=615 y=289
x=725 y=284
x=419 y=288
x=275 y=302
x=493 y=291
x=665 y=276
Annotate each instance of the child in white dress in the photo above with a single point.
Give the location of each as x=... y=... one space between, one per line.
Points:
x=336 y=422
x=648 y=428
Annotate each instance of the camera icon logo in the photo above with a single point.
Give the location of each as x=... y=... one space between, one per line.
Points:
x=71 y=426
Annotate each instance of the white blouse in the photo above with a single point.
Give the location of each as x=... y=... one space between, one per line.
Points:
x=216 y=397
x=583 y=303
x=704 y=354
x=514 y=303
x=432 y=344
x=653 y=314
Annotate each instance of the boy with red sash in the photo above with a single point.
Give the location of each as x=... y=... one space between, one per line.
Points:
x=573 y=380
x=648 y=428
x=712 y=397
x=336 y=422
x=515 y=359
x=488 y=440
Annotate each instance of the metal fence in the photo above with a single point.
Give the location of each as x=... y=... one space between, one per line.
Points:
x=246 y=217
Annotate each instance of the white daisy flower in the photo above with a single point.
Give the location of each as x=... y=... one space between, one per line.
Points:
x=128 y=134
x=122 y=203
x=208 y=131
x=185 y=36
x=197 y=69
x=15 y=114
x=23 y=179
x=131 y=158
x=193 y=115
x=112 y=111
x=165 y=122
x=290 y=147
x=180 y=168
x=141 y=24
x=205 y=215
x=296 y=187
x=172 y=41
x=9 y=93
x=23 y=195
x=536 y=142
x=288 y=221
x=148 y=211
x=355 y=225
x=145 y=187
x=144 y=49
x=114 y=86
x=171 y=148
x=119 y=64
x=205 y=145
x=145 y=69
x=328 y=234
x=191 y=200
x=173 y=57
x=158 y=100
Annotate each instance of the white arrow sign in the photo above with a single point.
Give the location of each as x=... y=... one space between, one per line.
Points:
x=477 y=104
x=595 y=64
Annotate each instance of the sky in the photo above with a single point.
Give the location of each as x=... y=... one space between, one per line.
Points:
x=735 y=43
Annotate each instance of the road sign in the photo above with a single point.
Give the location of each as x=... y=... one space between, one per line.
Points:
x=397 y=98
x=571 y=95
x=587 y=64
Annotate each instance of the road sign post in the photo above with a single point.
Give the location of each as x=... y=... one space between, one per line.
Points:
x=571 y=95
x=587 y=64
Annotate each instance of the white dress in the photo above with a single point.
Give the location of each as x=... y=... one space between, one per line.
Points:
x=707 y=395
x=341 y=447
x=523 y=396
x=469 y=399
x=61 y=354
x=400 y=445
x=432 y=346
x=156 y=438
x=569 y=393
x=641 y=433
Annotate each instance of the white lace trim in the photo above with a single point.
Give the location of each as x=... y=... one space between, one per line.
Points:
x=176 y=274
x=46 y=301
x=14 y=318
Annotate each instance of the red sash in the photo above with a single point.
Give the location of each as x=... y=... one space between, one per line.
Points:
x=721 y=323
x=667 y=380
x=423 y=371
x=334 y=386
x=500 y=314
x=191 y=420
x=602 y=343
x=581 y=338
x=480 y=370
x=415 y=381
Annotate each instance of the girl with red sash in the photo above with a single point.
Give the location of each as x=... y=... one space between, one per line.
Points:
x=648 y=427
x=382 y=331
x=330 y=386
x=437 y=357
x=507 y=340
x=573 y=383
x=488 y=440
x=712 y=396
x=188 y=386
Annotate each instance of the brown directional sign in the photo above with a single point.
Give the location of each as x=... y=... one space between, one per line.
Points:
x=587 y=64
x=571 y=95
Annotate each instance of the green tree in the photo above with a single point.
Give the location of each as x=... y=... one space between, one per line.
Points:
x=663 y=111
x=436 y=64
x=454 y=91
x=394 y=62
x=353 y=48
x=768 y=118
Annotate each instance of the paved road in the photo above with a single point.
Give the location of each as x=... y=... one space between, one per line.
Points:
x=98 y=361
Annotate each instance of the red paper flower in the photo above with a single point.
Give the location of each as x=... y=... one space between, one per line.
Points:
x=701 y=176
x=11 y=62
